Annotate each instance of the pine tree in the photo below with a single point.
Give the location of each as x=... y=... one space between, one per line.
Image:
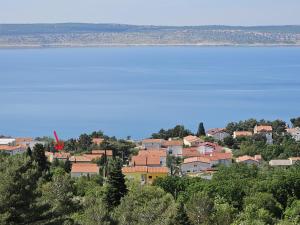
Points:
x=39 y=156
x=201 y=130
x=116 y=187
x=181 y=216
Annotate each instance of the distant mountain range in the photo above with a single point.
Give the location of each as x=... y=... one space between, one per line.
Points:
x=85 y=35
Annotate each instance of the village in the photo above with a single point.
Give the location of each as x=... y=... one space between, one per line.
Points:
x=194 y=156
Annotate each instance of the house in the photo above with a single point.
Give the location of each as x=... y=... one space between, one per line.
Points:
x=195 y=165
x=208 y=148
x=174 y=147
x=190 y=152
x=218 y=133
x=152 y=143
x=294 y=160
x=249 y=160
x=63 y=156
x=84 y=169
x=80 y=159
x=144 y=174
x=237 y=134
x=205 y=162
x=109 y=153
x=12 y=150
x=7 y=141
x=192 y=141
x=294 y=132
x=150 y=158
x=266 y=130
x=280 y=162
x=97 y=141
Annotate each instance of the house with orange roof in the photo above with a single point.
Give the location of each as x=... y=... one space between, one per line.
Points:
x=150 y=158
x=218 y=133
x=80 y=159
x=266 y=130
x=192 y=141
x=152 y=143
x=84 y=169
x=109 y=153
x=205 y=162
x=174 y=147
x=63 y=156
x=144 y=174
x=190 y=152
x=246 y=159
x=12 y=150
x=237 y=134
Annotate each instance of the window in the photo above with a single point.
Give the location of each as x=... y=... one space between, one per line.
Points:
x=150 y=177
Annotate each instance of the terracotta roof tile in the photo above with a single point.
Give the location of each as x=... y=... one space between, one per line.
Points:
x=84 y=168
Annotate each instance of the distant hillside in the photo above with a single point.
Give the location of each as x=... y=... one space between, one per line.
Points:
x=77 y=35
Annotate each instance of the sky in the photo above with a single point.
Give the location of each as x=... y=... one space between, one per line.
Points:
x=153 y=12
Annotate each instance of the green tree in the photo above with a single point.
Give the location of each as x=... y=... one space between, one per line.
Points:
x=116 y=187
x=84 y=142
x=181 y=216
x=292 y=213
x=296 y=122
x=145 y=205
x=39 y=156
x=201 y=130
x=199 y=208
x=223 y=212
x=67 y=166
x=19 y=193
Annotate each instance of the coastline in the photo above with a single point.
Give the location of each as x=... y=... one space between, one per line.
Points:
x=38 y=46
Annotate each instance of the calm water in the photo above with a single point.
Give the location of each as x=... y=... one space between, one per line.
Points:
x=138 y=90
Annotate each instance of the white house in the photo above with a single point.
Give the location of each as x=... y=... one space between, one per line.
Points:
x=84 y=169
x=152 y=143
x=174 y=147
x=192 y=141
x=195 y=165
x=12 y=150
x=294 y=132
x=218 y=133
x=206 y=148
x=7 y=141
x=266 y=130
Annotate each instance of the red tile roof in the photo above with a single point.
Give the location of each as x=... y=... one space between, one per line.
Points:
x=145 y=169
x=102 y=152
x=9 y=148
x=264 y=128
x=85 y=168
x=173 y=143
x=242 y=133
x=190 y=152
x=246 y=158
x=192 y=138
x=215 y=131
x=152 y=140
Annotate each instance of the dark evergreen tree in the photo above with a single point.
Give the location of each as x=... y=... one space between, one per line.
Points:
x=116 y=187
x=181 y=216
x=39 y=156
x=29 y=152
x=201 y=130
x=84 y=142
x=67 y=166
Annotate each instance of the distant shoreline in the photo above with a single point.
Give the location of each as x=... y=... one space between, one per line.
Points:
x=3 y=47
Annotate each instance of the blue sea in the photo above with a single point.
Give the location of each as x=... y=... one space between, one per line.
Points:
x=138 y=90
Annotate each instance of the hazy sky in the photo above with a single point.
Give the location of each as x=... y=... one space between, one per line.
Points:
x=156 y=12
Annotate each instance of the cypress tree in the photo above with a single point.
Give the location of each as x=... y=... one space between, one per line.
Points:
x=201 y=130
x=67 y=166
x=39 y=156
x=181 y=216
x=29 y=152
x=116 y=187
